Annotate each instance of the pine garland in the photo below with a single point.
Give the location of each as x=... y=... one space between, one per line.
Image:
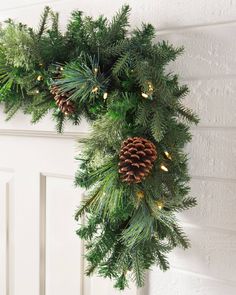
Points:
x=118 y=81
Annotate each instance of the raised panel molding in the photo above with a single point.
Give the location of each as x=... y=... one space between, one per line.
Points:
x=52 y=241
x=42 y=235
x=6 y=233
x=87 y=286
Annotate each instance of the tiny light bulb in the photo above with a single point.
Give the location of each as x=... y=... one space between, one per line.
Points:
x=155 y=235
x=61 y=68
x=150 y=85
x=39 y=78
x=105 y=95
x=95 y=70
x=140 y=195
x=37 y=91
x=164 y=168
x=144 y=95
x=95 y=89
x=168 y=156
x=150 y=88
x=160 y=204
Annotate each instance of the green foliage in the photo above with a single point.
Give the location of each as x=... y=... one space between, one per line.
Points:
x=120 y=84
x=121 y=64
x=81 y=80
x=18 y=45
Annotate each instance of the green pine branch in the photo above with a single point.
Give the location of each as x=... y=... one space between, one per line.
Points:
x=120 y=84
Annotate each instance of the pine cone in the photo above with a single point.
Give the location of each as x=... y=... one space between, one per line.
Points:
x=65 y=105
x=137 y=156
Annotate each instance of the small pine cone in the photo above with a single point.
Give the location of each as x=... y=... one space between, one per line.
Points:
x=54 y=90
x=65 y=105
x=137 y=156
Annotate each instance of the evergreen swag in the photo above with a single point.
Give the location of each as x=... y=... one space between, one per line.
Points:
x=118 y=81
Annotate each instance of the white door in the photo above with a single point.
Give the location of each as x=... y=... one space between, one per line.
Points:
x=40 y=253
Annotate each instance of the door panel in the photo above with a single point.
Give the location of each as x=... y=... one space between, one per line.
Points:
x=37 y=223
x=63 y=270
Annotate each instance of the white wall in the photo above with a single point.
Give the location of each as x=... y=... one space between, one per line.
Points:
x=207 y=30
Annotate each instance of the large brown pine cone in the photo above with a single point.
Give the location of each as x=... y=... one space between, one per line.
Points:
x=65 y=105
x=137 y=156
